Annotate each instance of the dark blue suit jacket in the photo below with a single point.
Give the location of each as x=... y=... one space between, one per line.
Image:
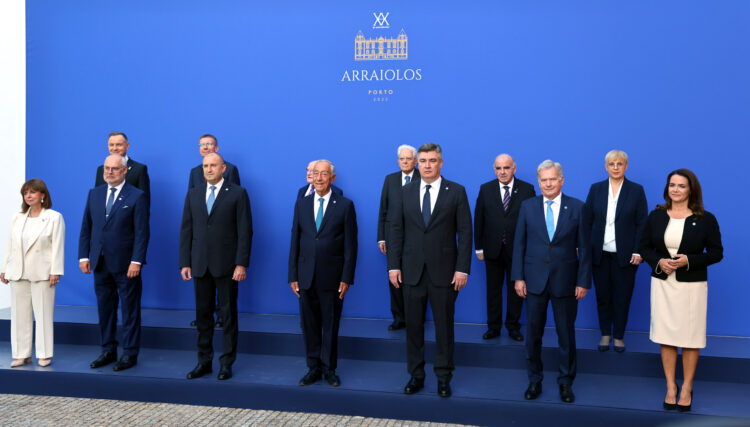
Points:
x=328 y=255
x=630 y=219
x=120 y=238
x=565 y=262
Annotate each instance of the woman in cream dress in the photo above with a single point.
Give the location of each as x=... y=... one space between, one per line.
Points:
x=33 y=265
x=680 y=241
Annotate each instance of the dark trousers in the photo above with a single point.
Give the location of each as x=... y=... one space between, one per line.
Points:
x=397 y=303
x=498 y=269
x=614 y=289
x=110 y=289
x=206 y=289
x=442 y=301
x=320 y=311
x=564 y=310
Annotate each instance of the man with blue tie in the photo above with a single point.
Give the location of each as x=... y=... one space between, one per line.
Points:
x=309 y=188
x=551 y=262
x=113 y=241
x=322 y=258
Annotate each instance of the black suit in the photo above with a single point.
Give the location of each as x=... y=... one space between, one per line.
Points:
x=136 y=176
x=389 y=197
x=428 y=256
x=319 y=260
x=302 y=192
x=494 y=229
x=231 y=174
x=212 y=245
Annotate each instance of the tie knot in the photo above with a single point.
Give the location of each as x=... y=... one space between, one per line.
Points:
x=321 y=200
x=213 y=187
x=506 y=187
x=112 y=189
x=427 y=187
x=549 y=203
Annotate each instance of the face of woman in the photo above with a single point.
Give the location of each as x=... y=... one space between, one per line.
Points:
x=679 y=188
x=616 y=168
x=33 y=198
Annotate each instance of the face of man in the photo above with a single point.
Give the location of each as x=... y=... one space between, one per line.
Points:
x=213 y=168
x=310 y=171
x=505 y=168
x=322 y=178
x=207 y=145
x=406 y=161
x=550 y=183
x=616 y=168
x=114 y=171
x=118 y=145
x=429 y=166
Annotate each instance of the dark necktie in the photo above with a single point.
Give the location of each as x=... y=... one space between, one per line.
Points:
x=426 y=208
x=407 y=179
x=110 y=201
x=506 y=197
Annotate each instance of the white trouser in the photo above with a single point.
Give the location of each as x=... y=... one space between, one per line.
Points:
x=31 y=300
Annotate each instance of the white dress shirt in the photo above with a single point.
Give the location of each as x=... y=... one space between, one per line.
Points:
x=404 y=175
x=316 y=205
x=117 y=192
x=434 y=190
x=609 y=224
x=555 y=208
x=502 y=190
x=216 y=191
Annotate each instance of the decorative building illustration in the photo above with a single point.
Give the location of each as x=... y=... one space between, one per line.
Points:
x=381 y=48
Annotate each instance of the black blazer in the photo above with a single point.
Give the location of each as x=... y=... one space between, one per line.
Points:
x=701 y=242
x=303 y=191
x=136 y=176
x=388 y=198
x=630 y=219
x=216 y=243
x=329 y=255
x=231 y=174
x=413 y=246
x=491 y=222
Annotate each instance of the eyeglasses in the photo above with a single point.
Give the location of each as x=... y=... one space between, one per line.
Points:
x=114 y=169
x=405 y=159
x=206 y=144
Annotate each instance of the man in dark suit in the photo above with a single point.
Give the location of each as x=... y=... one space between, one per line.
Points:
x=215 y=240
x=407 y=162
x=309 y=188
x=495 y=217
x=113 y=241
x=137 y=175
x=431 y=216
x=551 y=262
x=322 y=258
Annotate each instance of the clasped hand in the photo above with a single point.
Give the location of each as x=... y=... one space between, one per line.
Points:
x=668 y=266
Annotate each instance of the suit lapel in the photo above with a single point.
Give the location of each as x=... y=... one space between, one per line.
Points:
x=562 y=217
x=44 y=217
x=412 y=203
x=118 y=201
x=622 y=198
x=220 y=196
x=329 y=211
x=541 y=214
x=443 y=194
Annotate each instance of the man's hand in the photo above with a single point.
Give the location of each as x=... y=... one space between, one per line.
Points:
x=295 y=288
x=187 y=273
x=480 y=256
x=85 y=267
x=240 y=273
x=636 y=259
x=381 y=246
x=395 y=278
x=581 y=292
x=134 y=270
x=459 y=281
x=53 y=280
x=343 y=287
x=521 y=288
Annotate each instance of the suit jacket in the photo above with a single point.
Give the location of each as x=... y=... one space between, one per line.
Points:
x=302 y=192
x=120 y=238
x=46 y=254
x=701 y=242
x=136 y=176
x=491 y=222
x=630 y=219
x=388 y=198
x=414 y=246
x=231 y=174
x=328 y=255
x=564 y=262
x=216 y=243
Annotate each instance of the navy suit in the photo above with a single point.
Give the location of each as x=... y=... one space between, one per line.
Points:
x=320 y=260
x=136 y=176
x=552 y=270
x=614 y=275
x=231 y=174
x=302 y=192
x=111 y=243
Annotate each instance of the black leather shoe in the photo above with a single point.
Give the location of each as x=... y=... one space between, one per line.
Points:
x=672 y=406
x=444 y=389
x=414 y=385
x=491 y=333
x=515 y=335
x=395 y=326
x=566 y=393
x=200 y=370
x=533 y=391
x=311 y=377
x=193 y=323
x=225 y=373
x=332 y=379
x=125 y=362
x=105 y=358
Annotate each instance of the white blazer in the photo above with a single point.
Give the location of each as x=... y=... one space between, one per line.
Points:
x=44 y=257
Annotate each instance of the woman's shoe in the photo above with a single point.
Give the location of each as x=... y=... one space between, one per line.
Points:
x=686 y=408
x=19 y=362
x=44 y=362
x=619 y=348
x=601 y=346
x=672 y=406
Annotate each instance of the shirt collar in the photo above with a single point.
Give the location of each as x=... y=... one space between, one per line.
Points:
x=119 y=186
x=217 y=185
x=556 y=201
x=510 y=184
x=435 y=184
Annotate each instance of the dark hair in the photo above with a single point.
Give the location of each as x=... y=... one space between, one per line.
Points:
x=208 y=135
x=35 y=184
x=118 y=133
x=695 y=198
x=425 y=148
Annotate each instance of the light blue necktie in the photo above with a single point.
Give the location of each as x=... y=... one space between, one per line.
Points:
x=408 y=179
x=550 y=220
x=319 y=217
x=211 y=199
x=110 y=201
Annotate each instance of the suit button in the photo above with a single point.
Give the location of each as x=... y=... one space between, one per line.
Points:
x=547 y=261
x=316 y=238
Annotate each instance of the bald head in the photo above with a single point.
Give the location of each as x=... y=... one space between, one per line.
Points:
x=505 y=168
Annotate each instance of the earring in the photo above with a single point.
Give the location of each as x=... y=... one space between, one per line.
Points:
x=42 y=200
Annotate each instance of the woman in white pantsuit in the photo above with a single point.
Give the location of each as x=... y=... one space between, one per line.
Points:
x=33 y=265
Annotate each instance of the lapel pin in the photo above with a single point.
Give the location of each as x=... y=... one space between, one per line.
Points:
x=565 y=207
x=693 y=224
x=226 y=189
x=334 y=202
x=119 y=198
x=446 y=187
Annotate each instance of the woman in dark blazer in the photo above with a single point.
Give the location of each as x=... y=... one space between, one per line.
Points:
x=680 y=241
x=615 y=212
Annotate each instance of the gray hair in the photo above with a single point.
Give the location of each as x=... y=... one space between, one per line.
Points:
x=547 y=164
x=426 y=148
x=505 y=154
x=333 y=168
x=403 y=147
x=614 y=155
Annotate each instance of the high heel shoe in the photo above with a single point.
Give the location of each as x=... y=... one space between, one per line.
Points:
x=672 y=406
x=45 y=362
x=686 y=408
x=19 y=362
x=601 y=347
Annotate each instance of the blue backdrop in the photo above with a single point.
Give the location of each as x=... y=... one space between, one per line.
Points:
x=666 y=81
